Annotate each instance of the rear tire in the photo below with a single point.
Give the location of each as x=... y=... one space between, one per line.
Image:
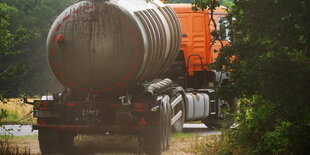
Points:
x=47 y=147
x=53 y=141
x=157 y=136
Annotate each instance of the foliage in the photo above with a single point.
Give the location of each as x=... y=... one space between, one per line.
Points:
x=179 y=1
x=9 y=39
x=227 y=3
x=32 y=71
x=269 y=65
x=205 y=4
x=3 y=114
x=16 y=112
x=182 y=135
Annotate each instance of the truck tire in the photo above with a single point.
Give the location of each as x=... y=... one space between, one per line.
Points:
x=157 y=138
x=52 y=141
x=178 y=125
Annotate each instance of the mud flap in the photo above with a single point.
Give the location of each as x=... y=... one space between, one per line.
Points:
x=48 y=135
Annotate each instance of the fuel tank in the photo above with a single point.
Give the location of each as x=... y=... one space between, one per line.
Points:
x=107 y=46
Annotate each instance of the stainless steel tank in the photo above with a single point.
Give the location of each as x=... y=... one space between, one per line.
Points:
x=105 y=46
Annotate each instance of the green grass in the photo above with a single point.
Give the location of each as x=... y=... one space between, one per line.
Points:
x=17 y=112
x=3 y=137
x=13 y=117
x=193 y=122
x=182 y=135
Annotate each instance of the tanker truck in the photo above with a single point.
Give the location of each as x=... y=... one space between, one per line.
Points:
x=129 y=67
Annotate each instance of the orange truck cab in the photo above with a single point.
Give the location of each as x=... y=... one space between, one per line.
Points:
x=196 y=50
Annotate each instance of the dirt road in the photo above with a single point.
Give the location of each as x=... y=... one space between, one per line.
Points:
x=181 y=144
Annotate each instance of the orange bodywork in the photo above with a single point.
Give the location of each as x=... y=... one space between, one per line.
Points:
x=196 y=37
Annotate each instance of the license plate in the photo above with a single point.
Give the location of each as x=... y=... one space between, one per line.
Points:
x=47 y=114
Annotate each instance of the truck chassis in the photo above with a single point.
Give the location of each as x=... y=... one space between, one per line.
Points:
x=149 y=113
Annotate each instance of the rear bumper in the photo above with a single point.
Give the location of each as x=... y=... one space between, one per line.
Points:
x=98 y=129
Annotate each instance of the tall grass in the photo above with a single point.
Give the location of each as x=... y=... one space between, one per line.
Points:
x=18 y=112
x=8 y=148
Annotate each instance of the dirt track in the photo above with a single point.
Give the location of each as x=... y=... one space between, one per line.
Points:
x=113 y=145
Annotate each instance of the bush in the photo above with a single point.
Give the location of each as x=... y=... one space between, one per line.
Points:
x=269 y=65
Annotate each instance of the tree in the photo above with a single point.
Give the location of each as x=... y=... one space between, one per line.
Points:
x=269 y=65
x=37 y=16
x=227 y=3
x=8 y=42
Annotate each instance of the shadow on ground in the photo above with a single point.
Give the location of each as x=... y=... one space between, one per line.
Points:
x=108 y=144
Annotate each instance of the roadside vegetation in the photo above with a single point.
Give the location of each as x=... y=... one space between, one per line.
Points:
x=14 y=111
x=15 y=145
x=226 y=3
x=23 y=28
x=269 y=66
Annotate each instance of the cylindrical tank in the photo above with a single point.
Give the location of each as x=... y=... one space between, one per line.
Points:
x=106 y=46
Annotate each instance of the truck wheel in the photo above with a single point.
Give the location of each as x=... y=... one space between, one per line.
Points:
x=157 y=138
x=225 y=120
x=47 y=147
x=178 y=125
x=52 y=141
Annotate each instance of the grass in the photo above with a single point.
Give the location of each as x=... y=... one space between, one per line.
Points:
x=11 y=145
x=193 y=122
x=102 y=145
x=207 y=145
x=17 y=112
x=214 y=145
x=181 y=143
x=183 y=135
x=13 y=138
